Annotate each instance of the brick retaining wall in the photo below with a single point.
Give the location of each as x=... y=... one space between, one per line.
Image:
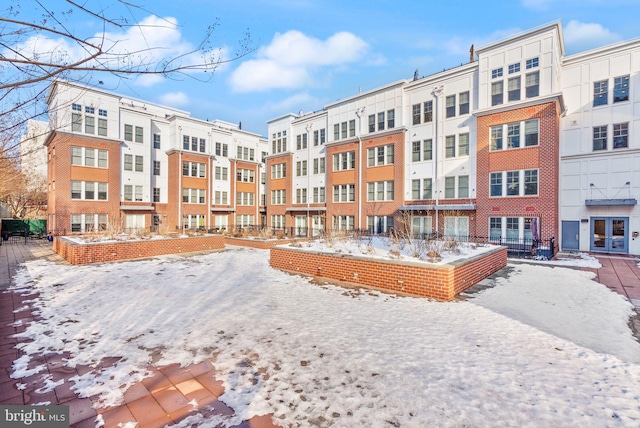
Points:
x=256 y=243
x=441 y=282
x=78 y=254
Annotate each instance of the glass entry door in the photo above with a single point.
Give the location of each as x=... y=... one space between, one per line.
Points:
x=610 y=234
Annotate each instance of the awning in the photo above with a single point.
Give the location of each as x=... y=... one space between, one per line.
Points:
x=439 y=207
x=136 y=207
x=610 y=202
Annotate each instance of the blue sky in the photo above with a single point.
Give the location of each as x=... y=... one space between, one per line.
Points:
x=312 y=52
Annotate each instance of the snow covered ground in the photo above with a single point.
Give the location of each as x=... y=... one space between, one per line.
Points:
x=545 y=346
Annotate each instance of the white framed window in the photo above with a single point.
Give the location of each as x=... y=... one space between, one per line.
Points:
x=380 y=155
x=496 y=72
x=278 y=197
x=301 y=168
x=421 y=225
x=514 y=68
x=532 y=84
x=279 y=170
x=463 y=103
x=620 y=135
x=513 y=131
x=343 y=222
x=600 y=93
x=380 y=191
x=221 y=197
x=497 y=93
x=514 y=183
x=532 y=63
x=344 y=193
x=344 y=161
x=456 y=227
x=621 y=88
x=450 y=106
x=379 y=224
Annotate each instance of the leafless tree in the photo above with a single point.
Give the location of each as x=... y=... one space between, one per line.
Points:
x=35 y=52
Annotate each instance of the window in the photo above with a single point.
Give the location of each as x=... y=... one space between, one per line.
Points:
x=194 y=169
x=343 y=161
x=221 y=197
x=222 y=173
x=463 y=98
x=381 y=121
x=301 y=168
x=463 y=144
x=496 y=183
x=103 y=159
x=76 y=190
x=421 y=193
x=102 y=127
x=76 y=122
x=449 y=187
x=496 y=73
x=496 y=138
x=102 y=191
x=245 y=198
x=76 y=222
x=301 y=141
x=128 y=193
x=513 y=89
x=76 y=107
x=343 y=222
x=427 y=150
x=599 y=138
x=427 y=188
x=156 y=194
x=90 y=125
x=139 y=134
x=352 y=128
x=513 y=183
x=600 y=93
x=76 y=155
x=316 y=138
x=532 y=63
x=102 y=113
x=128 y=162
x=128 y=132
x=318 y=166
x=513 y=228
x=90 y=110
x=318 y=195
x=531 y=182
x=372 y=123
x=139 y=163
x=428 y=111
x=416 y=151
x=380 y=191
x=138 y=191
x=301 y=196
x=463 y=186
x=156 y=167
x=450 y=103
x=497 y=97
x=495 y=228
x=344 y=193
x=343 y=128
x=514 y=68
x=513 y=135
x=380 y=155
x=531 y=132
x=245 y=175
x=279 y=170
x=185 y=142
x=391 y=119
x=416 y=114
x=532 y=84
x=203 y=145
x=450 y=146
x=89 y=157
x=621 y=89
x=336 y=132
x=415 y=189
x=620 y=135
x=323 y=137
x=379 y=224
x=156 y=141
x=278 y=197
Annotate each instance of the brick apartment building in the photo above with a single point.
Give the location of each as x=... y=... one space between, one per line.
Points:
x=522 y=142
x=113 y=161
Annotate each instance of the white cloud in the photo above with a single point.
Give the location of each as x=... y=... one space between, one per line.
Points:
x=174 y=99
x=293 y=103
x=142 y=47
x=293 y=58
x=581 y=36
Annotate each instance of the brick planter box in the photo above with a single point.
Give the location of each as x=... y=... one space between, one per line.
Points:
x=256 y=243
x=441 y=282
x=98 y=252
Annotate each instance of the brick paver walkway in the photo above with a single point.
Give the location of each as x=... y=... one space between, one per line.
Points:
x=171 y=394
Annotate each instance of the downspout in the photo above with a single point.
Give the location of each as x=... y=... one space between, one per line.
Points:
x=308 y=128
x=437 y=92
x=359 y=113
x=180 y=222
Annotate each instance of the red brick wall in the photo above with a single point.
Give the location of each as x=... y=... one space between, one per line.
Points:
x=544 y=157
x=77 y=254
x=60 y=173
x=441 y=282
x=255 y=243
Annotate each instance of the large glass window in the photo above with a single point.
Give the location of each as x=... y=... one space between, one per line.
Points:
x=600 y=92
x=621 y=89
